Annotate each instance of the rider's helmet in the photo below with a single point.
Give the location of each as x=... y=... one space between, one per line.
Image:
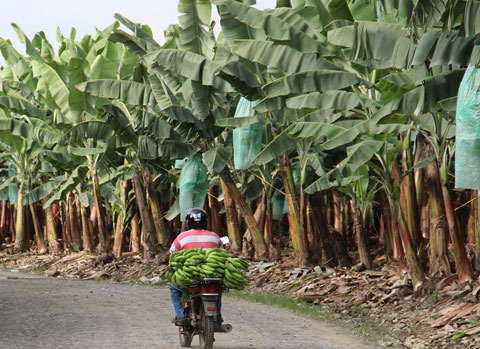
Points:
x=197 y=219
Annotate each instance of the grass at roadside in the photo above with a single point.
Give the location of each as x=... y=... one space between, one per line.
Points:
x=286 y=302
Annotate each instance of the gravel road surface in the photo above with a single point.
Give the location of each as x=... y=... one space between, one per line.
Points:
x=41 y=312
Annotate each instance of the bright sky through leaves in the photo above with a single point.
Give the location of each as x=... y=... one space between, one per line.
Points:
x=34 y=15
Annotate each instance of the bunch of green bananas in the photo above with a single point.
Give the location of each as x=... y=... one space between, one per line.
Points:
x=187 y=267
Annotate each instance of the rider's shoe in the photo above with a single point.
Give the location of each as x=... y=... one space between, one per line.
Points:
x=180 y=321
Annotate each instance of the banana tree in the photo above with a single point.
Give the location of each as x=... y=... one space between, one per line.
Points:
x=177 y=78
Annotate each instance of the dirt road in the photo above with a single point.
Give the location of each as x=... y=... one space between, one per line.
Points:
x=40 y=312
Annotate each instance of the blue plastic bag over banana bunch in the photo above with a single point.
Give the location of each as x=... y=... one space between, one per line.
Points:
x=467 y=142
x=247 y=141
x=193 y=185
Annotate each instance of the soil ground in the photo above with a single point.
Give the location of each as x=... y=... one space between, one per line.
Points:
x=379 y=304
x=46 y=312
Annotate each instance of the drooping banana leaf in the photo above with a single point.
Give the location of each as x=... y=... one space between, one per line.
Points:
x=194 y=37
x=282 y=57
x=340 y=100
x=78 y=175
x=129 y=92
x=273 y=27
x=43 y=190
x=310 y=81
x=280 y=145
x=217 y=158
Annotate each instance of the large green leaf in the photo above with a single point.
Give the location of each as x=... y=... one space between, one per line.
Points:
x=79 y=102
x=133 y=43
x=194 y=37
x=371 y=42
x=129 y=92
x=310 y=81
x=217 y=158
x=360 y=153
x=340 y=100
x=140 y=32
x=43 y=190
x=240 y=121
x=280 y=145
x=86 y=151
x=241 y=79
x=282 y=57
x=317 y=130
x=441 y=87
x=149 y=148
x=22 y=106
x=169 y=105
x=59 y=91
x=78 y=176
x=187 y=64
x=92 y=129
x=273 y=27
x=121 y=124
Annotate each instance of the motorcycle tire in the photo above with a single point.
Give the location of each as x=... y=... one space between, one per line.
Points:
x=185 y=339
x=206 y=330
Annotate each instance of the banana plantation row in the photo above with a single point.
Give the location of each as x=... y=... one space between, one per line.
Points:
x=356 y=104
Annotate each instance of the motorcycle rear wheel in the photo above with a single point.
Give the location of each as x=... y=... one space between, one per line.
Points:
x=185 y=339
x=206 y=330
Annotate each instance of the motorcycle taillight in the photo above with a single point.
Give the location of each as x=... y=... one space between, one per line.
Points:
x=211 y=288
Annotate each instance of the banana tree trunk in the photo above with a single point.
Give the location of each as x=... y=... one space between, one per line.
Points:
x=119 y=227
x=215 y=220
x=386 y=228
x=135 y=234
x=72 y=211
x=297 y=232
x=233 y=229
x=118 y=238
x=3 y=221
x=477 y=231
x=52 y=235
x=315 y=251
x=12 y=217
x=257 y=235
x=408 y=197
x=339 y=228
x=326 y=240
x=41 y=245
x=259 y=216
x=472 y=218
x=20 y=244
x=86 y=236
x=361 y=235
x=100 y=215
x=148 y=228
x=416 y=271
x=268 y=233
x=437 y=226
x=156 y=212
x=462 y=264
x=67 y=234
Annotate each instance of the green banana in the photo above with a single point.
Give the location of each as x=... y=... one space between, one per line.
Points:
x=234 y=276
x=215 y=258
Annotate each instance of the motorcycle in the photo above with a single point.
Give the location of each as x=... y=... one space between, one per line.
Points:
x=201 y=309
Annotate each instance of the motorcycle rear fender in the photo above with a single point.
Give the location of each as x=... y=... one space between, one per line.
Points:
x=210 y=306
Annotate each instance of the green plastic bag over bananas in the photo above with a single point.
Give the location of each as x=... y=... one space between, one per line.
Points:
x=187 y=267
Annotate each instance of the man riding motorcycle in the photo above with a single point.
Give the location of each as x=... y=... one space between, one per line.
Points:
x=196 y=236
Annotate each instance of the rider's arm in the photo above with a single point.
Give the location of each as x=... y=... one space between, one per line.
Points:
x=172 y=249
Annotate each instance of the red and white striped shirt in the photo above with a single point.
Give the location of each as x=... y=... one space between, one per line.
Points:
x=196 y=238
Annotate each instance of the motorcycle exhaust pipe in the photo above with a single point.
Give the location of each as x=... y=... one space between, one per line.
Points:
x=225 y=328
